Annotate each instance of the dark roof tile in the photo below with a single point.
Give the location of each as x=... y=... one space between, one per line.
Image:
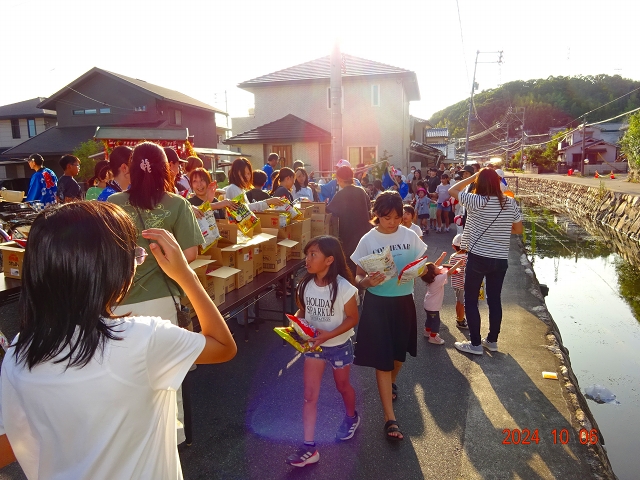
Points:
x=26 y=108
x=53 y=141
x=289 y=128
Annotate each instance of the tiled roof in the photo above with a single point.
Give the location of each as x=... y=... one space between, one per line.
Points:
x=53 y=141
x=320 y=69
x=289 y=128
x=157 y=91
x=437 y=132
x=26 y=108
x=424 y=148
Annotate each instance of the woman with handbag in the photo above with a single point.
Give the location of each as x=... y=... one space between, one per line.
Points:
x=491 y=219
x=151 y=203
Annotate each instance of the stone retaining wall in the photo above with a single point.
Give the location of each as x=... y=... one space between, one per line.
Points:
x=598 y=210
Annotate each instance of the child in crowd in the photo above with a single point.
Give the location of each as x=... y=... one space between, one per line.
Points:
x=283 y=183
x=408 y=216
x=257 y=194
x=435 y=278
x=457 y=281
x=423 y=204
x=433 y=210
x=101 y=176
x=326 y=299
x=68 y=188
x=389 y=325
x=75 y=359
x=442 y=212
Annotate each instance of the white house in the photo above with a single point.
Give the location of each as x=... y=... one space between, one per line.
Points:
x=375 y=114
x=23 y=120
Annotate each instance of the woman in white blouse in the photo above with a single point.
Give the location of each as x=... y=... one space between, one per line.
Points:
x=240 y=178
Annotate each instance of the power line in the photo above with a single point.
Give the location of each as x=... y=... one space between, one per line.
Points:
x=101 y=102
x=466 y=68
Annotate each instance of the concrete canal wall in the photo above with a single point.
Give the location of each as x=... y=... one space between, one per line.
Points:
x=599 y=210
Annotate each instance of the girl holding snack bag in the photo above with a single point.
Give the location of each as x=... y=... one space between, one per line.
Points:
x=389 y=327
x=240 y=178
x=436 y=278
x=326 y=298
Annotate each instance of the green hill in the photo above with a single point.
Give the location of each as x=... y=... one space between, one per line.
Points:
x=551 y=102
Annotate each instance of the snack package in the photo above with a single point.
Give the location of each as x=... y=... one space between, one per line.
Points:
x=304 y=329
x=208 y=227
x=380 y=262
x=244 y=217
x=412 y=271
x=290 y=335
x=289 y=209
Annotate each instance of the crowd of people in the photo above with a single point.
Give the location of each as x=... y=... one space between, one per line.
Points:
x=107 y=331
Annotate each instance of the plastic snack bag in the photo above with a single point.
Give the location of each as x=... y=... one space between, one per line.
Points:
x=290 y=209
x=299 y=334
x=412 y=271
x=244 y=217
x=208 y=227
x=380 y=262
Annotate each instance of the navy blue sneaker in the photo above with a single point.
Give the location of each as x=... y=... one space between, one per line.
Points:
x=348 y=427
x=305 y=455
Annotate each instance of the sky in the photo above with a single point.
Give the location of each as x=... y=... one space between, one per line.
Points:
x=205 y=48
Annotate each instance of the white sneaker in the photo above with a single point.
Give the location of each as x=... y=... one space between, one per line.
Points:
x=446 y=229
x=436 y=340
x=491 y=346
x=466 y=347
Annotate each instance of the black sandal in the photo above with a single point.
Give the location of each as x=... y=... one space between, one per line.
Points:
x=394 y=392
x=392 y=427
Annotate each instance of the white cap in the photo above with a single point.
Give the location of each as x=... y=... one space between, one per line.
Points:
x=398 y=172
x=457 y=240
x=500 y=172
x=343 y=163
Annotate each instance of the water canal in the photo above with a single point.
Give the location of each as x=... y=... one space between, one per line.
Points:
x=594 y=298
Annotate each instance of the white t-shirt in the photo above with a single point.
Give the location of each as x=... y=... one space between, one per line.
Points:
x=114 y=418
x=443 y=192
x=318 y=311
x=231 y=191
x=304 y=192
x=405 y=247
x=435 y=293
x=416 y=229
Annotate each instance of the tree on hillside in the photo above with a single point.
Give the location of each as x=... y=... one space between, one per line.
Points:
x=630 y=146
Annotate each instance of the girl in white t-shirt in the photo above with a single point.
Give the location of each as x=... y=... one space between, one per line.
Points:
x=388 y=330
x=326 y=299
x=84 y=393
x=435 y=278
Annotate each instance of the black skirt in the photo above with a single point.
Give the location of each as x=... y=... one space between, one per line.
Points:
x=386 y=332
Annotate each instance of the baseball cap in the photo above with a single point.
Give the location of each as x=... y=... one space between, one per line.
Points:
x=398 y=172
x=172 y=155
x=457 y=240
x=500 y=172
x=343 y=163
x=469 y=168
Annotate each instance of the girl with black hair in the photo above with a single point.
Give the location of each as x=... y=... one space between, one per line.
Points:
x=283 y=183
x=240 y=182
x=389 y=326
x=301 y=188
x=96 y=184
x=326 y=299
x=87 y=393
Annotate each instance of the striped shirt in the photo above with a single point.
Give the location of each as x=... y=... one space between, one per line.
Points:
x=487 y=231
x=457 y=279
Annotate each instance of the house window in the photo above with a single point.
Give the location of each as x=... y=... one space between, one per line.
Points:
x=15 y=128
x=358 y=155
x=375 y=95
x=105 y=110
x=31 y=127
x=142 y=108
x=329 y=98
x=78 y=112
x=175 y=117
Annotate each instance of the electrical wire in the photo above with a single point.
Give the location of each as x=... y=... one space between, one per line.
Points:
x=101 y=102
x=466 y=68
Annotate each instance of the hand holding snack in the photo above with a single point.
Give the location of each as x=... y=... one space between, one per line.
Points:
x=197 y=212
x=228 y=204
x=321 y=337
x=376 y=278
x=274 y=202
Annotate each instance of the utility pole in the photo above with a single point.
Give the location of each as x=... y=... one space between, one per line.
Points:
x=335 y=84
x=584 y=132
x=473 y=88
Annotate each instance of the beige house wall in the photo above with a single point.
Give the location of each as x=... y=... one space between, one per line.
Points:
x=308 y=152
x=6 y=136
x=385 y=127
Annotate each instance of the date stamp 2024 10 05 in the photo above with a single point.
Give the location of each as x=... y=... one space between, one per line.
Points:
x=525 y=436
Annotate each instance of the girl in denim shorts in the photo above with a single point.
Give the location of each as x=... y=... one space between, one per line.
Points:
x=326 y=299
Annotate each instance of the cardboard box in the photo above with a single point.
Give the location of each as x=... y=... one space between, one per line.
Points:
x=297 y=252
x=201 y=266
x=272 y=220
x=12 y=258
x=318 y=208
x=275 y=251
x=225 y=278
x=298 y=229
x=320 y=224
x=258 y=255
x=306 y=208
x=230 y=234
x=240 y=257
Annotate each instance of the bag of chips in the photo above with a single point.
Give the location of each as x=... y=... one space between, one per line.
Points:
x=244 y=217
x=380 y=262
x=291 y=336
x=208 y=227
x=289 y=209
x=412 y=271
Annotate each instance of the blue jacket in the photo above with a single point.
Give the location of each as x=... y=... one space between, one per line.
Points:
x=329 y=189
x=268 y=169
